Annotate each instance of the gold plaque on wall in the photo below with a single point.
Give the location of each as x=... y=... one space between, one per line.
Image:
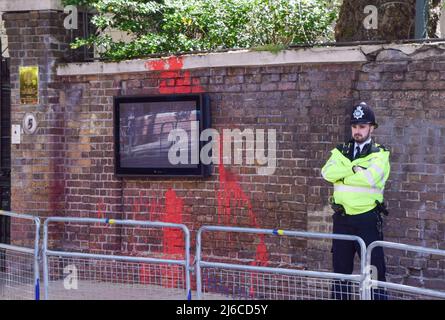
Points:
x=29 y=85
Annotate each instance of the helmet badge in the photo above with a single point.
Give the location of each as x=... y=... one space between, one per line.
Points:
x=358 y=113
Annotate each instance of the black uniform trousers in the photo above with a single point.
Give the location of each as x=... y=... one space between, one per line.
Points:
x=367 y=226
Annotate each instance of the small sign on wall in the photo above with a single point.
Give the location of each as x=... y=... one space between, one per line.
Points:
x=29 y=123
x=15 y=134
x=29 y=85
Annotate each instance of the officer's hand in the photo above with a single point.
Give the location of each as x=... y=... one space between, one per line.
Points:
x=357 y=169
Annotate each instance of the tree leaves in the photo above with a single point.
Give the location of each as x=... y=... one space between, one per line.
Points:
x=171 y=26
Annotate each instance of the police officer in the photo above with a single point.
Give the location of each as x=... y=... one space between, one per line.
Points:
x=358 y=169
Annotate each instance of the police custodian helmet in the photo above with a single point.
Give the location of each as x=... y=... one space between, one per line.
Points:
x=362 y=113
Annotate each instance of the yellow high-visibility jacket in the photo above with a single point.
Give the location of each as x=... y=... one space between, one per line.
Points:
x=357 y=192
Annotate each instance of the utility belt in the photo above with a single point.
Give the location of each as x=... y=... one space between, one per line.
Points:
x=379 y=209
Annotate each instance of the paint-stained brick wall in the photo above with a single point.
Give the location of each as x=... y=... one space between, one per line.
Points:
x=307 y=104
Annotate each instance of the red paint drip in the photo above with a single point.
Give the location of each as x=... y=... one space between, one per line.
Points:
x=229 y=195
x=101 y=208
x=172 y=242
x=230 y=192
x=173 y=80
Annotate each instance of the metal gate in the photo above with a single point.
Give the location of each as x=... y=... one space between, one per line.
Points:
x=397 y=291
x=216 y=280
x=100 y=276
x=19 y=271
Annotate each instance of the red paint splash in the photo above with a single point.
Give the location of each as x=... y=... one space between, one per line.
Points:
x=172 y=78
x=101 y=208
x=172 y=241
x=230 y=192
x=230 y=197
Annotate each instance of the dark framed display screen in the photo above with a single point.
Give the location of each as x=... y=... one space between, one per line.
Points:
x=142 y=128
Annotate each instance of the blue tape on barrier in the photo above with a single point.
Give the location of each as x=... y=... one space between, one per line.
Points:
x=37 y=292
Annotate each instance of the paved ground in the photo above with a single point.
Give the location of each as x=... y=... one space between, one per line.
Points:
x=89 y=290
x=95 y=290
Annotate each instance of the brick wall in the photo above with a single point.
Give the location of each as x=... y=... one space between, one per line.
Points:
x=37 y=38
x=309 y=106
x=67 y=168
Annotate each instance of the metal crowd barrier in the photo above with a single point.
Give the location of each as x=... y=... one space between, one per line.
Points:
x=19 y=265
x=83 y=276
x=77 y=275
x=396 y=291
x=227 y=280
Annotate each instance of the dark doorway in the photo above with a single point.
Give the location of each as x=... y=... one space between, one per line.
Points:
x=5 y=148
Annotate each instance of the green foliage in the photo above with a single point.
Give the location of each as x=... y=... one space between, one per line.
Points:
x=172 y=26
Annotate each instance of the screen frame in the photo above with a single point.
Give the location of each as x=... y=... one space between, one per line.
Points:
x=202 y=105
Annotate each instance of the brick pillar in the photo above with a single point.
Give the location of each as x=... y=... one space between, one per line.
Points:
x=38 y=38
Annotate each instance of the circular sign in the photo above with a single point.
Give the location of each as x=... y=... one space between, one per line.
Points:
x=29 y=123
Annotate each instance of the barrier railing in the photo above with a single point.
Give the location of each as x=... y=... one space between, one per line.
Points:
x=19 y=265
x=76 y=275
x=240 y=281
x=399 y=291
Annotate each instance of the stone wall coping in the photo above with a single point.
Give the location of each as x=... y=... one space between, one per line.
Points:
x=30 y=5
x=246 y=58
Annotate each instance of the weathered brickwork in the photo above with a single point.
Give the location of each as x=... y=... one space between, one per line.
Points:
x=36 y=38
x=68 y=167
